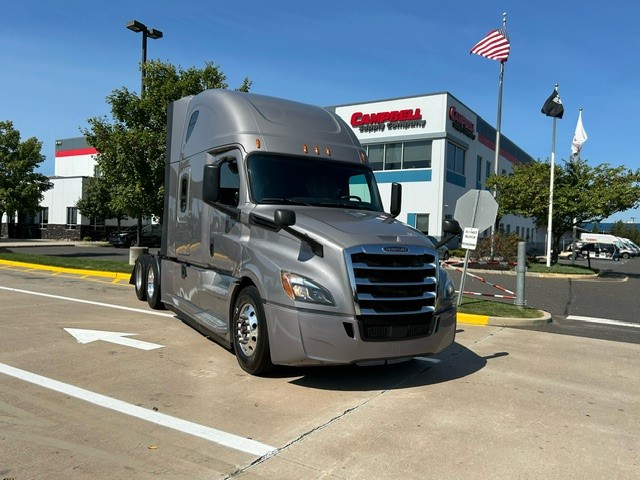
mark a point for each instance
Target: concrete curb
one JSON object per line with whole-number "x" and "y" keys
{"x": 75, "y": 271}
{"x": 469, "y": 318}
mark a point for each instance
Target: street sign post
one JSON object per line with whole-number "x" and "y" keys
{"x": 475, "y": 211}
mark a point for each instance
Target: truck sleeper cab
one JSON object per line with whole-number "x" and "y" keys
{"x": 276, "y": 243}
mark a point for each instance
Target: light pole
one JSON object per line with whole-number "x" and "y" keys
{"x": 136, "y": 26}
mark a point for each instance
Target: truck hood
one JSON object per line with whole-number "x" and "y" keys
{"x": 348, "y": 227}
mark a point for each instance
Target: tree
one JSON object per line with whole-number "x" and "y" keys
{"x": 132, "y": 145}
{"x": 21, "y": 188}
{"x": 96, "y": 201}
{"x": 581, "y": 194}
{"x": 625, "y": 230}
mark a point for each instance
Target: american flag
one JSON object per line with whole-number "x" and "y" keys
{"x": 495, "y": 45}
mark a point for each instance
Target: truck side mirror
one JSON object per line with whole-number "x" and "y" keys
{"x": 211, "y": 184}
{"x": 451, "y": 226}
{"x": 396, "y": 199}
{"x": 284, "y": 218}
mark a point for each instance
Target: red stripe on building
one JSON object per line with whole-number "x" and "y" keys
{"x": 77, "y": 151}
{"x": 492, "y": 145}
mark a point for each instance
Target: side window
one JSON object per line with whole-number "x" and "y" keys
{"x": 183, "y": 194}
{"x": 229, "y": 182}
{"x": 192, "y": 124}
{"x": 358, "y": 187}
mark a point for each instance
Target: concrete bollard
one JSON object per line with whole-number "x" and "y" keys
{"x": 521, "y": 269}
{"x": 135, "y": 252}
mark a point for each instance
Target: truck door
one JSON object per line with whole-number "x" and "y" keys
{"x": 224, "y": 243}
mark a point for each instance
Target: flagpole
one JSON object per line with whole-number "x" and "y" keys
{"x": 574, "y": 237}
{"x": 498, "y": 122}
{"x": 553, "y": 157}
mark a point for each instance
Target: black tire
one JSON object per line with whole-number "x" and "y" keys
{"x": 140, "y": 277}
{"x": 250, "y": 335}
{"x": 445, "y": 256}
{"x": 153, "y": 285}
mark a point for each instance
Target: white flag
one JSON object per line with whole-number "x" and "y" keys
{"x": 579, "y": 137}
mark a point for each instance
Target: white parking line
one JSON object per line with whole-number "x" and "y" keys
{"x": 211, "y": 434}
{"x": 79, "y": 300}
{"x": 604, "y": 321}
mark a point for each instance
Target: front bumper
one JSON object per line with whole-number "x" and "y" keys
{"x": 312, "y": 338}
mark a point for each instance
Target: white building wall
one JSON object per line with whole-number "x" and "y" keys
{"x": 65, "y": 193}
{"x": 75, "y": 166}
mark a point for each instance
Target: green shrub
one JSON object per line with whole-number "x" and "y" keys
{"x": 505, "y": 247}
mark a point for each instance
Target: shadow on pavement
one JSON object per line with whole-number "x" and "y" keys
{"x": 454, "y": 363}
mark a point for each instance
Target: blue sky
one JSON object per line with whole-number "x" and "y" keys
{"x": 60, "y": 60}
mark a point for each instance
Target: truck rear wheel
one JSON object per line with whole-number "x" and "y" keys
{"x": 153, "y": 285}
{"x": 140, "y": 277}
{"x": 250, "y": 336}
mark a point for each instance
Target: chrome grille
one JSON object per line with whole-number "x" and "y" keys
{"x": 394, "y": 291}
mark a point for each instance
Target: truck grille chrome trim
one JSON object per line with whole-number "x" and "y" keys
{"x": 394, "y": 292}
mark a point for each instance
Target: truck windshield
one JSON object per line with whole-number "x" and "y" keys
{"x": 279, "y": 179}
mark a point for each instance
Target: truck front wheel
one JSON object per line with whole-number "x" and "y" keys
{"x": 250, "y": 336}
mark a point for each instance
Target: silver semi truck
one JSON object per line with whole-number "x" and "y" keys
{"x": 276, "y": 244}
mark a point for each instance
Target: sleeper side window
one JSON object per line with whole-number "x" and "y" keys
{"x": 183, "y": 194}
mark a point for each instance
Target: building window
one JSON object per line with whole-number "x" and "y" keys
{"x": 44, "y": 217}
{"x": 376, "y": 156}
{"x": 394, "y": 156}
{"x": 455, "y": 158}
{"x": 417, "y": 154}
{"x": 422, "y": 222}
{"x": 72, "y": 218}
{"x": 98, "y": 223}
{"x": 479, "y": 170}
{"x": 488, "y": 172}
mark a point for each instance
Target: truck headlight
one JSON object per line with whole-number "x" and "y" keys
{"x": 447, "y": 290}
{"x": 302, "y": 289}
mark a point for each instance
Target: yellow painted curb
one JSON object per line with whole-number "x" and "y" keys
{"x": 75, "y": 271}
{"x": 473, "y": 319}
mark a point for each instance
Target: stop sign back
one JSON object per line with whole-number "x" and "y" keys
{"x": 476, "y": 209}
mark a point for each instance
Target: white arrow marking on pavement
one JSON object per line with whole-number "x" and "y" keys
{"x": 88, "y": 336}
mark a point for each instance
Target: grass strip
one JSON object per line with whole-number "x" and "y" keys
{"x": 78, "y": 263}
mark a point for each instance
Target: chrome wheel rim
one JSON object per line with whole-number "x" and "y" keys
{"x": 247, "y": 329}
{"x": 150, "y": 283}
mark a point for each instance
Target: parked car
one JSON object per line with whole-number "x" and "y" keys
{"x": 443, "y": 250}
{"x": 600, "y": 250}
{"x": 149, "y": 236}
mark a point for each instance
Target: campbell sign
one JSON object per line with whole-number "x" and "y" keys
{"x": 461, "y": 123}
{"x": 392, "y": 120}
